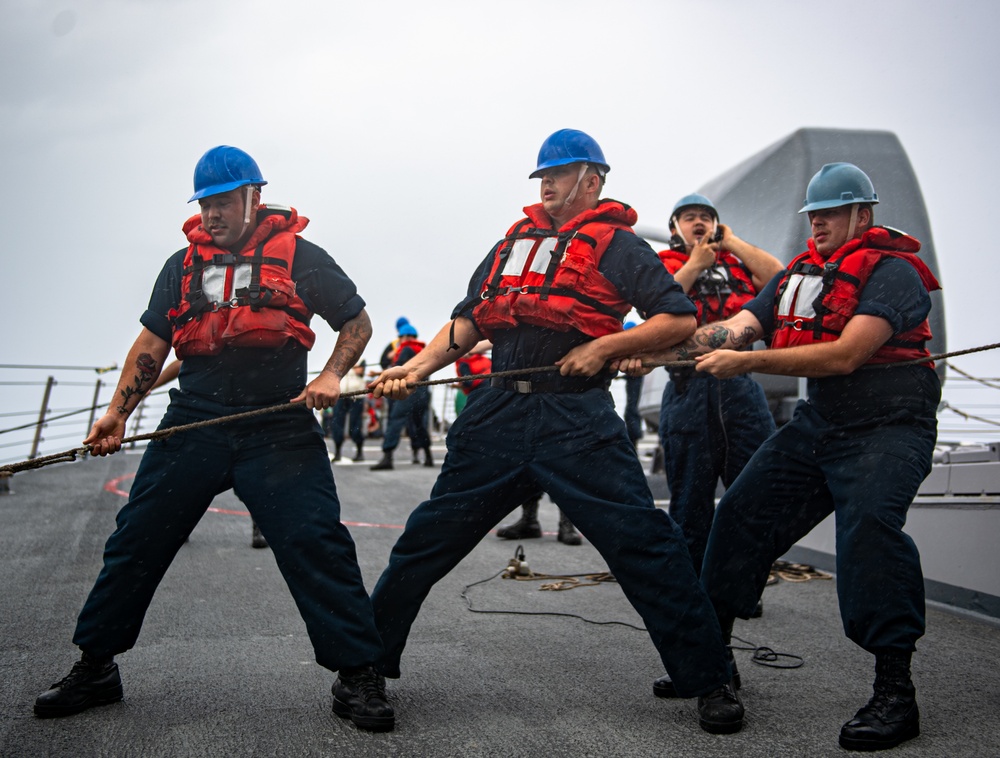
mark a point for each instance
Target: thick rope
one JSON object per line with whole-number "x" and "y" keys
{"x": 71, "y": 455}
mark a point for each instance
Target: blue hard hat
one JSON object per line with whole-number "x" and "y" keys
{"x": 407, "y": 330}
{"x": 693, "y": 199}
{"x": 569, "y": 146}
{"x": 224, "y": 168}
{"x": 401, "y": 321}
{"x": 838, "y": 184}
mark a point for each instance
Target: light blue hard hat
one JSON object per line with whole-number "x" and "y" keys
{"x": 838, "y": 184}
{"x": 407, "y": 330}
{"x": 222, "y": 169}
{"x": 693, "y": 199}
{"x": 401, "y": 321}
{"x": 569, "y": 146}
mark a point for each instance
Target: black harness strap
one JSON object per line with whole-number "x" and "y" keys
{"x": 197, "y": 302}
{"x": 256, "y": 298}
{"x": 452, "y": 345}
{"x": 506, "y": 245}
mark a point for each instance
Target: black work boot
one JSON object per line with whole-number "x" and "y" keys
{"x": 359, "y": 694}
{"x": 360, "y": 455}
{"x": 416, "y": 457}
{"x": 567, "y": 532}
{"x": 525, "y": 528}
{"x": 721, "y": 711}
{"x": 664, "y": 687}
{"x": 92, "y": 681}
{"x": 891, "y": 716}
{"x": 428, "y": 458}
{"x": 256, "y": 538}
{"x": 385, "y": 464}
{"x": 336, "y": 454}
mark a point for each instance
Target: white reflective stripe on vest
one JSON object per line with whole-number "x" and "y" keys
{"x": 213, "y": 282}
{"x": 798, "y": 297}
{"x": 520, "y": 252}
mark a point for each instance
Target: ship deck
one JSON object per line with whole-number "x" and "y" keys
{"x": 223, "y": 665}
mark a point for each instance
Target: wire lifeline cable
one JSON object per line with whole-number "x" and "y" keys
{"x": 71, "y": 455}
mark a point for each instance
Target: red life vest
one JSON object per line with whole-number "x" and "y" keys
{"x": 817, "y": 296}
{"x": 241, "y": 300}
{"x": 720, "y": 291}
{"x": 406, "y": 343}
{"x": 549, "y": 277}
{"x": 476, "y": 364}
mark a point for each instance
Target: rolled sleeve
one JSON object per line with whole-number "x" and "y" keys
{"x": 166, "y": 296}
{"x": 895, "y": 293}
{"x": 323, "y": 286}
{"x": 638, "y": 274}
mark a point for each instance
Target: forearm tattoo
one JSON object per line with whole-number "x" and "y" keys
{"x": 713, "y": 337}
{"x": 351, "y": 343}
{"x": 146, "y": 371}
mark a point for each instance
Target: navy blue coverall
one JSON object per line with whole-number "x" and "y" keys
{"x": 409, "y": 413}
{"x": 277, "y": 464}
{"x": 565, "y": 438}
{"x": 709, "y": 428}
{"x": 859, "y": 446}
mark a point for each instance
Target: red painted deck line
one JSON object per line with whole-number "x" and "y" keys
{"x": 113, "y": 486}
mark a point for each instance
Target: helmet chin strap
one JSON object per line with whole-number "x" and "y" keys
{"x": 854, "y": 221}
{"x": 247, "y": 210}
{"x": 572, "y": 195}
{"x": 678, "y": 232}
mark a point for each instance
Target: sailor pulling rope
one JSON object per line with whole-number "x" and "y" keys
{"x": 71, "y": 455}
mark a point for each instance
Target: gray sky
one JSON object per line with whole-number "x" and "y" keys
{"x": 406, "y": 131}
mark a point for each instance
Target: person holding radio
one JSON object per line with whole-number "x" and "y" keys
{"x": 710, "y": 427}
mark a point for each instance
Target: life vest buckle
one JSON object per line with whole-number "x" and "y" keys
{"x": 797, "y": 324}
{"x": 233, "y": 303}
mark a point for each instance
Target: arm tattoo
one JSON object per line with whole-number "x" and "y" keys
{"x": 146, "y": 370}
{"x": 713, "y": 337}
{"x": 351, "y": 343}
{"x": 748, "y": 337}
{"x": 686, "y": 350}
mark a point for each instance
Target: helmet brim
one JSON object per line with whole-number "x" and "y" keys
{"x": 218, "y": 189}
{"x": 820, "y": 205}
{"x": 564, "y": 162}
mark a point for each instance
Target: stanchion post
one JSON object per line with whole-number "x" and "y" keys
{"x": 41, "y": 417}
{"x": 93, "y": 405}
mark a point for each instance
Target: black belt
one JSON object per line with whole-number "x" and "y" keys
{"x": 682, "y": 374}
{"x": 566, "y": 384}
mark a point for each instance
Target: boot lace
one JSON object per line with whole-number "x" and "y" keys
{"x": 369, "y": 686}
{"x": 884, "y": 698}
{"x": 81, "y": 670}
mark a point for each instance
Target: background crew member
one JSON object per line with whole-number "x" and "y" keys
{"x": 236, "y": 304}
{"x": 858, "y": 446}
{"x": 410, "y": 413}
{"x": 527, "y": 527}
{"x": 555, "y": 290}
{"x": 710, "y": 427}
{"x": 351, "y": 410}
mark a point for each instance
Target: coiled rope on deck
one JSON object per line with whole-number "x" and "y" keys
{"x": 71, "y": 455}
